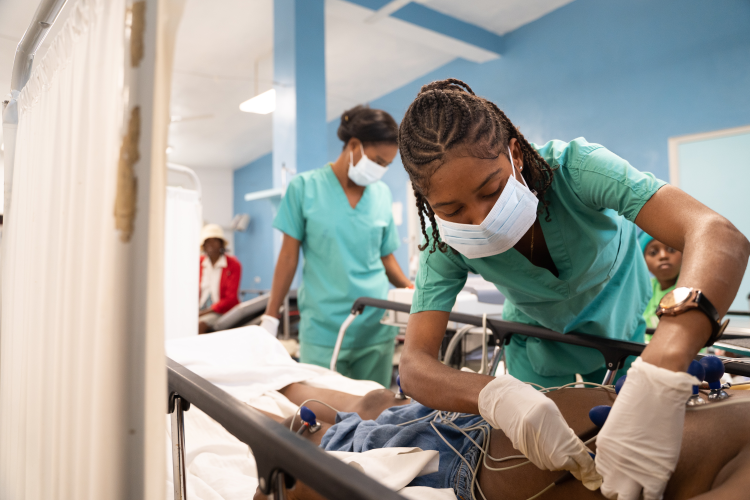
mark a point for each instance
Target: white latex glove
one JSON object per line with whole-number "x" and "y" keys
{"x": 270, "y": 324}
{"x": 638, "y": 447}
{"x": 535, "y": 426}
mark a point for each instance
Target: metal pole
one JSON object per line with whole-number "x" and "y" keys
{"x": 178, "y": 451}
{"x": 340, "y": 338}
{"x": 496, "y": 357}
{"x": 609, "y": 377}
{"x": 279, "y": 492}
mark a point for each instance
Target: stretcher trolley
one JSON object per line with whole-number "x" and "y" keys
{"x": 614, "y": 351}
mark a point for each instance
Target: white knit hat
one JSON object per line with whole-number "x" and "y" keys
{"x": 212, "y": 231}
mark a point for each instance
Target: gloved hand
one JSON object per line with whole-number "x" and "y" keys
{"x": 270, "y": 324}
{"x": 535, "y": 426}
{"x": 638, "y": 447}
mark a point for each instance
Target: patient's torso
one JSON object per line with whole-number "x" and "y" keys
{"x": 712, "y": 438}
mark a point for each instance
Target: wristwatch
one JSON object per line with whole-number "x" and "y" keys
{"x": 683, "y": 299}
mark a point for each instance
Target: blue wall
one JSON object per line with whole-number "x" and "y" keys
{"x": 625, "y": 74}
{"x": 254, "y": 247}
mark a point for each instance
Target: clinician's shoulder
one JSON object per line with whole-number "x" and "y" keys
{"x": 583, "y": 165}
{"x": 566, "y": 155}
{"x": 307, "y": 184}
{"x": 381, "y": 197}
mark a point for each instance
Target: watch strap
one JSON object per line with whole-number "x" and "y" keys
{"x": 717, "y": 328}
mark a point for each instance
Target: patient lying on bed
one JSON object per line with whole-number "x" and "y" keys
{"x": 714, "y": 461}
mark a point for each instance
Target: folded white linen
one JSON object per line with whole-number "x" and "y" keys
{"x": 393, "y": 467}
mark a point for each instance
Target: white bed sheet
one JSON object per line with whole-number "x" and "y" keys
{"x": 252, "y": 366}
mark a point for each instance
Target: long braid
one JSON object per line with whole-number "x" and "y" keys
{"x": 447, "y": 114}
{"x": 424, "y": 208}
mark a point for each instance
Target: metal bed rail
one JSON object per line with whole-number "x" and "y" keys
{"x": 614, "y": 351}
{"x": 282, "y": 457}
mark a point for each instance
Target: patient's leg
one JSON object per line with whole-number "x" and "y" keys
{"x": 368, "y": 407}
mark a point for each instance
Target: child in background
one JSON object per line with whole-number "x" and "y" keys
{"x": 664, "y": 263}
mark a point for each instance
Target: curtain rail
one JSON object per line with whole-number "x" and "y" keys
{"x": 276, "y": 449}
{"x": 44, "y": 17}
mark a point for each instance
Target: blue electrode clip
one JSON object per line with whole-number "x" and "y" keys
{"x": 714, "y": 371}
{"x": 400, "y": 394}
{"x": 309, "y": 420}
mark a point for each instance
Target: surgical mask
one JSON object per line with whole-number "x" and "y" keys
{"x": 512, "y": 215}
{"x": 366, "y": 171}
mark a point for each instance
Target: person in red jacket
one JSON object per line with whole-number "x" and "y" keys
{"x": 219, "y": 278}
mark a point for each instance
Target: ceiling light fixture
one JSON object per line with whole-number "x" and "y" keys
{"x": 261, "y": 104}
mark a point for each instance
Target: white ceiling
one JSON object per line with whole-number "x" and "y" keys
{"x": 498, "y": 16}
{"x": 224, "y": 56}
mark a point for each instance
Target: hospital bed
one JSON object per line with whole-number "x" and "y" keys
{"x": 282, "y": 458}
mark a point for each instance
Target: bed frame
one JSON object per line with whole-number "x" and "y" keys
{"x": 614, "y": 351}
{"x": 283, "y": 457}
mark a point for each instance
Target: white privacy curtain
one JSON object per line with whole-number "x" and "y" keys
{"x": 181, "y": 256}
{"x": 82, "y": 378}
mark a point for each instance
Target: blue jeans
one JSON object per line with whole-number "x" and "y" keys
{"x": 351, "y": 433}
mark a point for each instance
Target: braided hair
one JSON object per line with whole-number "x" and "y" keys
{"x": 447, "y": 114}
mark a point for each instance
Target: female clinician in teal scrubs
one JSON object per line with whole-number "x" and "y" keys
{"x": 341, "y": 217}
{"x": 553, "y": 226}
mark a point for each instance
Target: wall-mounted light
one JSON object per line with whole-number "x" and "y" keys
{"x": 261, "y": 104}
{"x": 169, "y": 149}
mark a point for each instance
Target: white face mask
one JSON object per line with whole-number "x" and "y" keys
{"x": 513, "y": 214}
{"x": 366, "y": 171}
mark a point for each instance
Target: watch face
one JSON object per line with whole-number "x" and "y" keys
{"x": 676, "y": 297}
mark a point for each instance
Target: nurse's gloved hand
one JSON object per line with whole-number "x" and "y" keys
{"x": 270, "y": 324}
{"x": 638, "y": 447}
{"x": 536, "y": 428}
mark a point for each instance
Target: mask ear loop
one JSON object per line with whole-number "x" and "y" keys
{"x": 510, "y": 156}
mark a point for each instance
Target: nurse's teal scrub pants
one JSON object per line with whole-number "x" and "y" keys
{"x": 602, "y": 285}
{"x": 374, "y": 362}
{"x": 343, "y": 247}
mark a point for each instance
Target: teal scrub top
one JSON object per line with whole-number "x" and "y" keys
{"x": 603, "y": 284}
{"x": 342, "y": 248}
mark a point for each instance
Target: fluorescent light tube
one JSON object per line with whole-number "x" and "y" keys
{"x": 261, "y": 104}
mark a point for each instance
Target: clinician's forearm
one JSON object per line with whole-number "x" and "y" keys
{"x": 395, "y": 275}
{"x": 438, "y": 386}
{"x": 283, "y": 275}
{"x": 715, "y": 255}
{"x": 714, "y": 261}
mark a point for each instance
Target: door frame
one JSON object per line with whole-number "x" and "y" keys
{"x": 675, "y": 142}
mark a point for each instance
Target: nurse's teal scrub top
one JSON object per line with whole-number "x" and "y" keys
{"x": 603, "y": 285}
{"x": 342, "y": 248}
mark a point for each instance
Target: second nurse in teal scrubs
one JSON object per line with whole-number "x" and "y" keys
{"x": 341, "y": 217}
{"x": 553, "y": 226}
